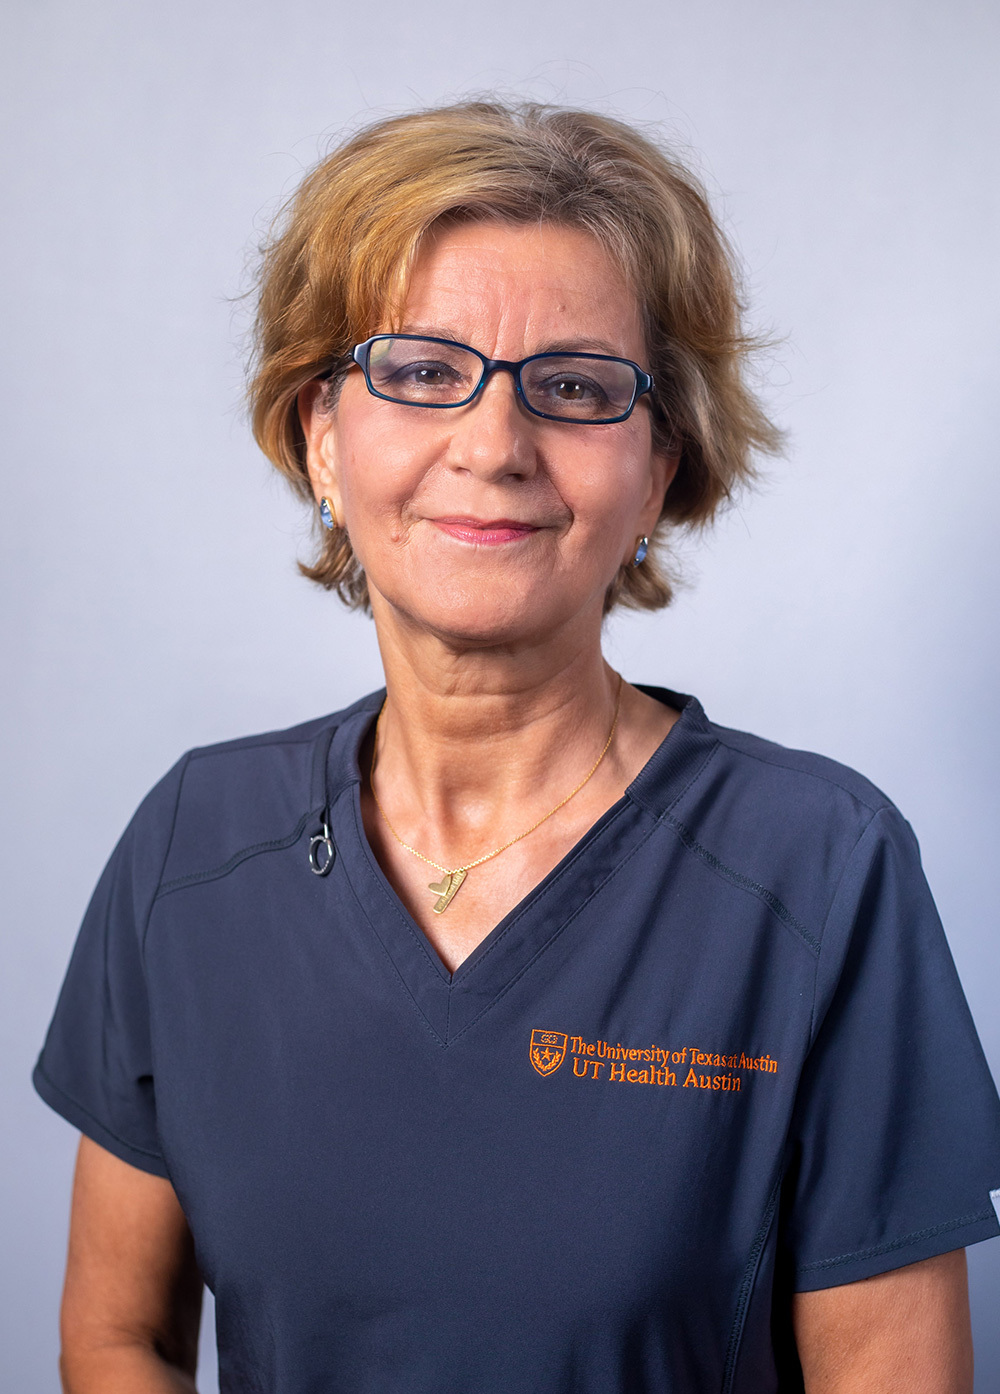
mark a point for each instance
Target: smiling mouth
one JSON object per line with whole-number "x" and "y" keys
{"x": 495, "y": 533}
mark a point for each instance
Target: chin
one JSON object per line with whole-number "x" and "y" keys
{"x": 485, "y": 614}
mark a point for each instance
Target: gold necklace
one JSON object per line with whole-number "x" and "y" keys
{"x": 446, "y": 889}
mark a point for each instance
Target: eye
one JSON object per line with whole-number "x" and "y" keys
{"x": 426, "y": 374}
{"x": 571, "y": 389}
{"x": 568, "y": 386}
{"x": 579, "y": 387}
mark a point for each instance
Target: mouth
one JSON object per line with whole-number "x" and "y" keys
{"x": 497, "y": 532}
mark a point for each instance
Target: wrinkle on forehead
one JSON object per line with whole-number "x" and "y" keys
{"x": 509, "y": 290}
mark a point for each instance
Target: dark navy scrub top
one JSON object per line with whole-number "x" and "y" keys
{"x": 720, "y": 1054}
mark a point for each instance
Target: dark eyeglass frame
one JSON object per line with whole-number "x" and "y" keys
{"x": 361, "y": 354}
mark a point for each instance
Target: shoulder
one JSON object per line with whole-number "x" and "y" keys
{"x": 222, "y": 800}
{"x": 789, "y": 825}
{"x": 806, "y": 804}
{"x": 745, "y": 772}
{"x": 808, "y": 781}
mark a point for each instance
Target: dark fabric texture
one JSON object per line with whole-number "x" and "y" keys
{"x": 720, "y": 1054}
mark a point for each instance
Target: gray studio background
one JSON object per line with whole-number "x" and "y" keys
{"x": 151, "y": 600}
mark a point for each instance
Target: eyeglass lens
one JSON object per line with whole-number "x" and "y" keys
{"x": 427, "y": 373}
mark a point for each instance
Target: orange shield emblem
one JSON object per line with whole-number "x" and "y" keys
{"x": 548, "y": 1051}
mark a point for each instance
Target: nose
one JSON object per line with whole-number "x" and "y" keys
{"x": 493, "y": 437}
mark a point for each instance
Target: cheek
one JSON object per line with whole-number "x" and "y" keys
{"x": 379, "y": 473}
{"x": 374, "y": 461}
{"x": 606, "y": 486}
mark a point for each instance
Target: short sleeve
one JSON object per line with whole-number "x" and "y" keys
{"x": 895, "y": 1142}
{"x": 96, "y": 1066}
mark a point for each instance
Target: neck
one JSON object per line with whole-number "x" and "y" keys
{"x": 473, "y": 741}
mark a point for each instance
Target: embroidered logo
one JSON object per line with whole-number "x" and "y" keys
{"x": 686, "y": 1068}
{"x": 548, "y": 1051}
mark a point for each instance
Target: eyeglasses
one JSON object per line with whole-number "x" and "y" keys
{"x": 591, "y": 389}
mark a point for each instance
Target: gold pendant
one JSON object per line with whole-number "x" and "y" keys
{"x": 446, "y": 889}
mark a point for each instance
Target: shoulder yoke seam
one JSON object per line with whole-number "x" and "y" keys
{"x": 745, "y": 883}
{"x": 216, "y": 873}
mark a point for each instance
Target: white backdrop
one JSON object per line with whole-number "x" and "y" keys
{"x": 151, "y": 600}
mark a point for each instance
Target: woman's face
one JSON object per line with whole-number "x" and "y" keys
{"x": 484, "y": 523}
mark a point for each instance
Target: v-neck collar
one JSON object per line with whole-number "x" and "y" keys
{"x": 451, "y": 1003}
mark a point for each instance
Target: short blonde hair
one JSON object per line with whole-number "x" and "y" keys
{"x": 335, "y": 271}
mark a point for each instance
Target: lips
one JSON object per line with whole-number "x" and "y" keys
{"x": 496, "y": 532}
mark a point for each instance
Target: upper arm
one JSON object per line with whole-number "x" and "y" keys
{"x": 903, "y": 1332}
{"x": 131, "y": 1274}
{"x": 894, "y": 1141}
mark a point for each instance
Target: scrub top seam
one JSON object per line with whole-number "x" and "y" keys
{"x": 743, "y": 882}
{"x": 651, "y": 807}
{"x": 545, "y": 886}
{"x": 395, "y": 905}
{"x": 501, "y": 930}
{"x": 519, "y": 973}
{"x": 556, "y": 933}
{"x": 691, "y": 844}
{"x": 204, "y": 752}
{"x": 331, "y": 789}
{"x": 807, "y": 774}
{"x": 421, "y": 1014}
{"x": 877, "y": 1249}
{"x": 166, "y": 854}
{"x": 746, "y": 1288}
{"x": 319, "y": 766}
{"x": 321, "y": 742}
{"x": 848, "y": 860}
{"x": 224, "y": 869}
{"x": 88, "y": 1113}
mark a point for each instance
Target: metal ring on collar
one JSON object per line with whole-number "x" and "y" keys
{"x": 321, "y": 851}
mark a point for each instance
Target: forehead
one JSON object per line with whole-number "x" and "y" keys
{"x": 515, "y": 289}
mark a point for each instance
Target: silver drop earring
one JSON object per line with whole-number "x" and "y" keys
{"x": 641, "y": 548}
{"x": 327, "y": 513}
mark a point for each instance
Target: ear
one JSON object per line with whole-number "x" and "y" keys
{"x": 318, "y": 423}
{"x": 663, "y": 466}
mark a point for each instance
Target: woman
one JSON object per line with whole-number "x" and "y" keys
{"x": 516, "y": 1028}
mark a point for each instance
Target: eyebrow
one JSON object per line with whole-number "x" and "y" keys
{"x": 581, "y": 345}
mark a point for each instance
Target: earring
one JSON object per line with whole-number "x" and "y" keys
{"x": 328, "y": 514}
{"x": 641, "y": 548}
